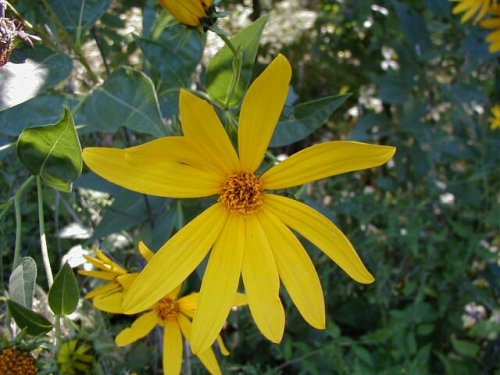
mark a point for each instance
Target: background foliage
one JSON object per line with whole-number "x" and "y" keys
{"x": 426, "y": 225}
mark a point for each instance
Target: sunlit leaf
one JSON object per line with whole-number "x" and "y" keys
{"x": 34, "y": 323}
{"x": 32, "y": 72}
{"x": 127, "y": 98}
{"x": 223, "y": 75}
{"x": 78, "y": 14}
{"x": 305, "y": 119}
{"x": 52, "y": 152}
{"x": 64, "y": 293}
{"x": 22, "y": 282}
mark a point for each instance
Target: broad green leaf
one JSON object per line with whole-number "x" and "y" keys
{"x": 79, "y": 14}
{"x": 64, "y": 293}
{"x": 392, "y": 89}
{"x": 34, "y": 71}
{"x": 415, "y": 28}
{"x": 52, "y": 152}
{"x": 34, "y": 323}
{"x": 22, "y": 282}
{"x": 371, "y": 127}
{"x": 38, "y": 111}
{"x": 305, "y": 119}
{"x": 127, "y": 98}
{"x": 464, "y": 347}
{"x": 227, "y": 83}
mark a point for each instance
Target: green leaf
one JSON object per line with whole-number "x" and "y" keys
{"x": 414, "y": 27}
{"x": 79, "y": 14}
{"x": 222, "y": 75}
{"x": 38, "y": 70}
{"x": 22, "y": 282}
{"x": 465, "y": 348}
{"x": 305, "y": 119}
{"x": 64, "y": 293}
{"x": 52, "y": 152}
{"x": 127, "y": 98}
{"x": 38, "y": 111}
{"x": 34, "y": 323}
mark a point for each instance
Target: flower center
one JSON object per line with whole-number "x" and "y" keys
{"x": 166, "y": 309}
{"x": 242, "y": 193}
{"x": 15, "y": 362}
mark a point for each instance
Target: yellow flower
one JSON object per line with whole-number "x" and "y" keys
{"x": 188, "y": 12}
{"x": 495, "y": 119}
{"x": 173, "y": 314}
{"x": 74, "y": 357}
{"x": 471, "y": 8}
{"x": 249, "y": 228}
{"x": 493, "y": 23}
{"x": 118, "y": 277}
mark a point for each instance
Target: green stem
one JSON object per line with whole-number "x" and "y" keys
{"x": 19, "y": 222}
{"x": 43, "y": 240}
{"x": 67, "y": 38}
{"x": 57, "y": 326}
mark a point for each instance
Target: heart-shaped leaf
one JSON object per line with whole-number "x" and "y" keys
{"x": 64, "y": 294}
{"x": 52, "y": 152}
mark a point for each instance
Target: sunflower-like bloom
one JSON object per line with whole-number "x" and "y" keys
{"x": 174, "y": 315}
{"x": 16, "y": 362}
{"x": 188, "y": 12}
{"x": 495, "y": 118}
{"x": 108, "y": 270}
{"x": 469, "y": 8}
{"x": 493, "y": 23}
{"x": 248, "y": 229}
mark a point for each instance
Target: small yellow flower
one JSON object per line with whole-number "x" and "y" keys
{"x": 188, "y": 12}
{"x": 249, "y": 229}
{"x": 479, "y": 8}
{"x": 74, "y": 357}
{"x": 16, "y": 362}
{"x": 493, "y": 23}
{"x": 495, "y": 119}
{"x": 173, "y": 314}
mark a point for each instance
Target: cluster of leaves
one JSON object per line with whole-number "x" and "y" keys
{"x": 426, "y": 225}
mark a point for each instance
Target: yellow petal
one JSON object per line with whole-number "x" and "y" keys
{"x": 172, "y": 348}
{"x": 140, "y": 328}
{"x": 126, "y": 280}
{"x": 261, "y": 110}
{"x": 220, "y": 283}
{"x": 188, "y": 304}
{"x": 173, "y": 263}
{"x": 111, "y": 303}
{"x": 110, "y": 263}
{"x": 105, "y": 289}
{"x": 325, "y": 160}
{"x": 321, "y": 232}
{"x": 201, "y": 125}
{"x": 222, "y": 346}
{"x": 145, "y": 251}
{"x": 296, "y": 270}
{"x": 262, "y": 283}
{"x": 153, "y": 169}
{"x": 188, "y": 12}
{"x": 240, "y": 300}
{"x": 207, "y": 357}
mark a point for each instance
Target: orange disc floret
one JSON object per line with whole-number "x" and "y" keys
{"x": 16, "y": 362}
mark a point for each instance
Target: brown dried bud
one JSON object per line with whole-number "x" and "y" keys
{"x": 7, "y": 34}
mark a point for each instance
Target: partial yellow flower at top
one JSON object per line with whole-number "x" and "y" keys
{"x": 188, "y": 12}
{"x": 249, "y": 229}
{"x": 493, "y": 23}
{"x": 479, "y": 8}
{"x": 495, "y": 119}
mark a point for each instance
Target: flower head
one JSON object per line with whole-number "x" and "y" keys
{"x": 188, "y": 12}
{"x": 495, "y": 119}
{"x": 249, "y": 230}
{"x": 16, "y": 362}
{"x": 469, "y": 8}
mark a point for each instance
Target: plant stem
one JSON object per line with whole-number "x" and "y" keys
{"x": 43, "y": 240}
{"x": 57, "y": 326}
{"x": 19, "y": 222}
